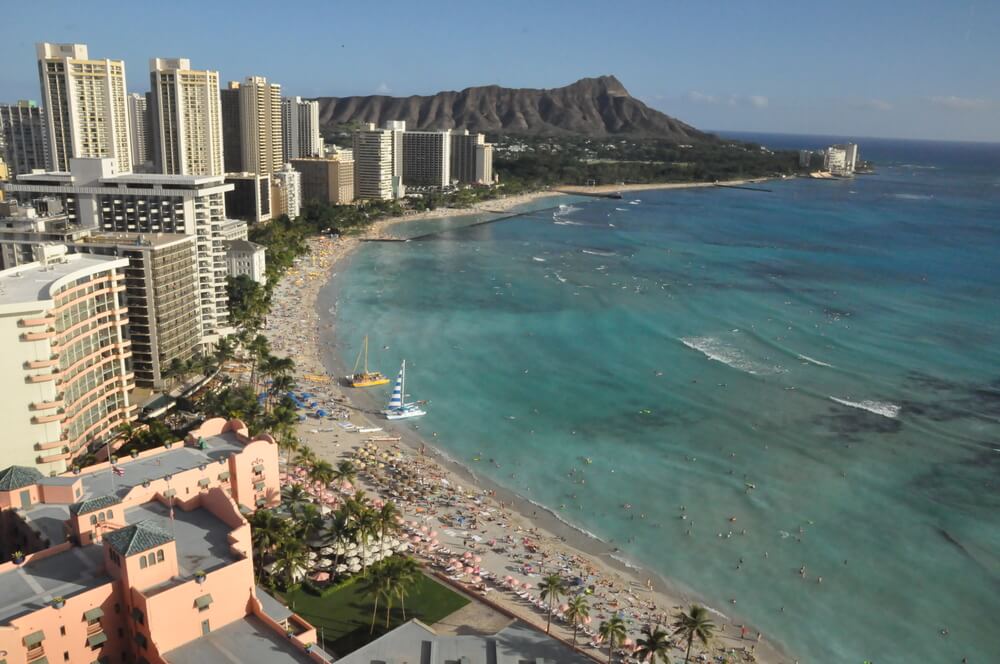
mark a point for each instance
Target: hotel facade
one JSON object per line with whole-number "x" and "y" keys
{"x": 66, "y": 376}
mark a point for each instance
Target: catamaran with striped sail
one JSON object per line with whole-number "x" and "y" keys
{"x": 397, "y": 410}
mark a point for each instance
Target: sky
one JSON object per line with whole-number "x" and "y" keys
{"x": 900, "y": 69}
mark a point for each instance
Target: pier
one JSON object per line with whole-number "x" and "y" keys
{"x": 740, "y": 186}
{"x": 617, "y": 195}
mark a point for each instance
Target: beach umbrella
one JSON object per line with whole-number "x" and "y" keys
{"x": 477, "y": 579}
{"x": 341, "y": 568}
{"x": 469, "y": 570}
{"x": 467, "y": 555}
{"x": 526, "y": 585}
{"x": 321, "y": 576}
{"x": 514, "y": 583}
{"x": 478, "y": 559}
{"x": 433, "y": 534}
{"x": 424, "y": 529}
{"x": 588, "y": 620}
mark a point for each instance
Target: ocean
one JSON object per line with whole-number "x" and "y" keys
{"x": 744, "y": 391}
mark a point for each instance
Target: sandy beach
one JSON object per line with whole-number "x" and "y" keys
{"x": 512, "y": 536}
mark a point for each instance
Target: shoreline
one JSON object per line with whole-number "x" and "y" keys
{"x": 297, "y": 303}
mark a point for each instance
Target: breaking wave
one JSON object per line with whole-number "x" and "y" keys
{"x": 882, "y": 408}
{"x": 719, "y": 351}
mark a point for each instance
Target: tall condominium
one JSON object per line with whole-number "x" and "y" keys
{"x": 141, "y": 132}
{"x": 286, "y": 192}
{"x": 25, "y": 137}
{"x": 64, "y": 374}
{"x": 249, "y": 197}
{"x": 85, "y": 106}
{"x": 373, "y": 179}
{"x": 471, "y": 158}
{"x": 327, "y": 179}
{"x": 186, "y": 117}
{"x": 427, "y": 158}
{"x": 232, "y": 128}
{"x": 397, "y": 127}
{"x": 260, "y": 125}
{"x": 161, "y": 290}
{"x": 95, "y": 196}
{"x": 300, "y": 128}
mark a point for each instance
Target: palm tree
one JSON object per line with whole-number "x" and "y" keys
{"x": 693, "y": 624}
{"x": 346, "y": 472}
{"x": 654, "y": 644}
{"x": 386, "y": 518}
{"x": 553, "y": 587}
{"x": 365, "y": 523}
{"x": 259, "y": 348}
{"x": 294, "y": 496}
{"x": 407, "y": 574}
{"x": 613, "y": 631}
{"x": 577, "y": 612}
{"x": 290, "y": 445}
{"x": 377, "y": 585}
{"x": 267, "y": 532}
{"x": 291, "y": 559}
{"x": 320, "y": 471}
{"x": 224, "y": 350}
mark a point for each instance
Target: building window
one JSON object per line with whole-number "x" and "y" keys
{"x": 142, "y": 562}
{"x": 62, "y": 631}
{"x": 152, "y": 559}
{"x": 159, "y": 556}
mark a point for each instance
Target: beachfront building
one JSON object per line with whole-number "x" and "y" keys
{"x": 427, "y": 159}
{"x": 24, "y": 228}
{"x": 96, "y": 196}
{"x": 161, "y": 291}
{"x": 373, "y": 171}
{"x": 300, "y": 128}
{"x": 153, "y": 564}
{"x": 260, "y": 125}
{"x": 141, "y": 132}
{"x": 186, "y": 118}
{"x": 471, "y": 158}
{"x": 65, "y": 376}
{"x": 398, "y": 128}
{"x": 286, "y": 192}
{"x": 327, "y": 179}
{"x": 86, "y": 111}
{"x": 24, "y": 137}
{"x": 232, "y": 131}
{"x": 249, "y": 198}
{"x": 416, "y": 642}
{"x": 245, "y": 258}
{"x": 835, "y": 161}
{"x": 850, "y": 156}
{"x": 234, "y": 229}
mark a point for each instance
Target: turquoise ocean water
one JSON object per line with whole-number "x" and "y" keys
{"x": 819, "y": 363}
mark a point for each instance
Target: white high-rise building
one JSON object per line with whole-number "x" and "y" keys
{"x": 96, "y": 196}
{"x": 300, "y": 128}
{"x": 85, "y": 106}
{"x": 286, "y": 185}
{"x": 24, "y": 138}
{"x": 398, "y": 128}
{"x": 138, "y": 121}
{"x": 260, "y": 125}
{"x": 373, "y": 179}
{"x": 186, "y": 117}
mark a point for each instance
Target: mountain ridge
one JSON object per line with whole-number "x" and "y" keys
{"x": 596, "y": 106}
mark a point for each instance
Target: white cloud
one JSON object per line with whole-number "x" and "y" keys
{"x": 960, "y": 103}
{"x": 702, "y": 98}
{"x": 757, "y": 101}
{"x": 383, "y": 88}
{"x": 872, "y": 104}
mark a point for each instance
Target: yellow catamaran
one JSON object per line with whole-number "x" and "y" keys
{"x": 365, "y": 378}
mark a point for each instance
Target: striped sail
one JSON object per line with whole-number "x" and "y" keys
{"x": 396, "y": 402}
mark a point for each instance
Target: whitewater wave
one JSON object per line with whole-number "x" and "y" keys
{"x": 719, "y": 351}
{"x": 582, "y": 531}
{"x": 561, "y": 278}
{"x": 594, "y": 252}
{"x": 812, "y": 360}
{"x": 883, "y": 408}
{"x": 566, "y": 222}
{"x": 622, "y": 209}
{"x": 624, "y": 561}
{"x": 536, "y": 258}
{"x": 914, "y": 197}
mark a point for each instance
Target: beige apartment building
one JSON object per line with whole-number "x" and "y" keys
{"x": 373, "y": 158}
{"x": 85, "y": 106}
{"x": 260, "y": 125}
{"x": 161, "y": 288}
{"x": 186, "y": 117}
{"x": 142, "y": 133}
{"x": 24, "y": 137}
{"x": 95, "y": 196}
{"x": 471, "y": 158}
{"x": 64, "y": 366}
{"x": 327, "y": 179}
{"x": 300, "y": 128}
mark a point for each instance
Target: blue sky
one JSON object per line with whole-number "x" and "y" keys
{"x": 895, "y": 69}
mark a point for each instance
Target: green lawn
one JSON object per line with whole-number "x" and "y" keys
{"x": 345, "y": 616}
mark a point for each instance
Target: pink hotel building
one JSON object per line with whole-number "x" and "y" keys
{"x": 152, "y": 563}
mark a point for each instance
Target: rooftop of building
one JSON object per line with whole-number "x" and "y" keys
{"x": 17, "y": 477}
{"x": 247, "y": 641}
{"x": 32, "y": 282}
{"x": 155, "y": 240}
{"x": 32, "y": 586}
{"x": 138, "y": 536}
{"x": 243, "y": 245}
{"x": 202, "y": 538}
{"x": 416, "y": 642}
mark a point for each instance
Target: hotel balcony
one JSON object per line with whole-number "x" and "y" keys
{"x": 42, "y": 364}
{"x": 37, "y": 322}
{"x": 45, "y": 419}
{"x": 43, "y": 378}
{"x": 46, "y": 405}
{"x": 38, "y": 336}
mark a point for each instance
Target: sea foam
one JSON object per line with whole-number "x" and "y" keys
{"x": 719, "y": 351}
{"x": 882, "y": 408}
{"x": 812, "y": 360}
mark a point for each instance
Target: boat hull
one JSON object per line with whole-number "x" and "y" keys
{"x": 402, "y": 413}
{"x": 367, "y": 382}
